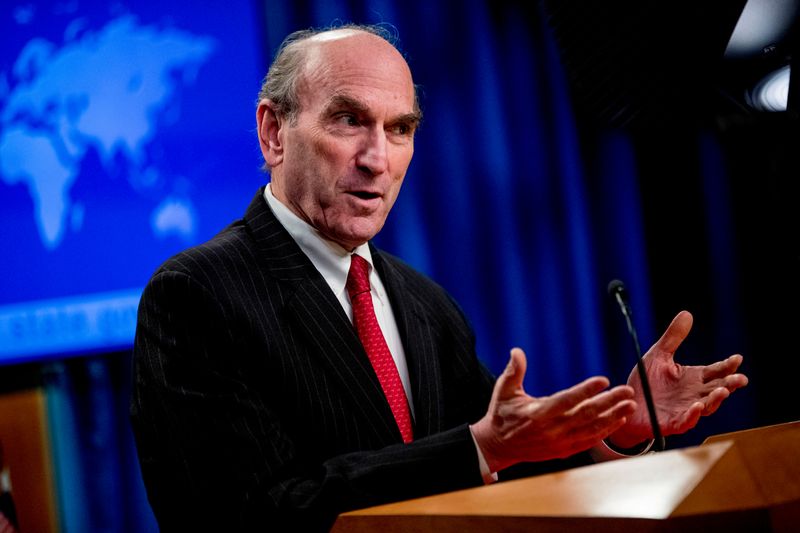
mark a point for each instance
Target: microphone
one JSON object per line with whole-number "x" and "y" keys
{"x": 617, "y": 289}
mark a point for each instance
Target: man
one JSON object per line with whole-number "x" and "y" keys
{"x": 287, "y": 370}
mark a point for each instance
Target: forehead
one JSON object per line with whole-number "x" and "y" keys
{"x": 357, "y": 64}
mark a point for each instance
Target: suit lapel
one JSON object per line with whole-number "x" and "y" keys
{"x": 317, "y": 314}
{"x": 420, "y": 343}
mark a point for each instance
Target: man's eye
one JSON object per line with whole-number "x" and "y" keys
{"x": 347, "y": 120}
{"x": 401, "y": 129}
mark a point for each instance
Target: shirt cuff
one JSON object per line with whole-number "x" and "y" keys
{"x": 488, "y": 476}
{"x": 603, "y": 452}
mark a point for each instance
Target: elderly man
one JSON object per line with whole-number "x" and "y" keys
{"x": 287, "y": 370}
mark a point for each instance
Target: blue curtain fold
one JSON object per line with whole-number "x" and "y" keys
{"x": 98, "y": 482}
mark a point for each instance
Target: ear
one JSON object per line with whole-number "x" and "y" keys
{"x": 269, "y": 128}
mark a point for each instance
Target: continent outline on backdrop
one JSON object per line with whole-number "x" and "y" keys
{"x": 102, "y": 89}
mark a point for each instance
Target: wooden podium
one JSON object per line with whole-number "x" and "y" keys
{"x": 744, "y": 481}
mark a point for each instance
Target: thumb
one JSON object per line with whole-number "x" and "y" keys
{"x": 510, "y": 381}
{"x": 675, "y": 334}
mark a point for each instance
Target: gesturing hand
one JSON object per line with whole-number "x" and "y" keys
{"x": 682, "y": 394}
{"x": 519, "y": 427}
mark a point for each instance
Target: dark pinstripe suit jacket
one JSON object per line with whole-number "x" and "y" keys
{"x": 255, "y": 406}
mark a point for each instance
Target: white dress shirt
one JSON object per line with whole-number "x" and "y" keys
{"x": 333, "y": 262}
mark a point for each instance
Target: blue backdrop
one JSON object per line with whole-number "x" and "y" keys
{"x": 504, "y": 205}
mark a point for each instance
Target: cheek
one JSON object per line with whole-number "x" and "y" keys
{"x": 314, "y": 162}
{"x": 331, "y": 159}
{"x": 400, "y": 160}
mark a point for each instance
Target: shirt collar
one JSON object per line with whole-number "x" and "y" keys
{"x": 329, "y": 258}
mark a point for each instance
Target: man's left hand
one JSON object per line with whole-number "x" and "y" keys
{"x": 682, "y": 394}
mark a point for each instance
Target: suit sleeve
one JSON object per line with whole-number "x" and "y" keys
{"x": 213, "y": 451}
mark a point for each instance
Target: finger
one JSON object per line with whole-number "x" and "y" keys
{"x": 595, "y": 406}
{"x": 622, "y": 408}
{"x": 714, "y": 400}
{"x": 509, "y": 383}
{"x": 732, "y": 382}
{"x": 736, "y": 381}
{"x": 581, "y": 442}
{"x": 602, "y": 426}
{"x": 688, "y": 420}
{"x": 616, "y": 417}
{"x": 675, "y": 334}
{"x": 564, "y": 400}
{"x": 720, "y": 369}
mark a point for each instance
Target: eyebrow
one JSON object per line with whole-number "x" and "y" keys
{"x": 348, "y": 102}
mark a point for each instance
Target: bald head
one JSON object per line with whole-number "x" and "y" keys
{"x": 303, "y": 51}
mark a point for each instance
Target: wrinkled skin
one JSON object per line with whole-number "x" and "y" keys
{"x": 519, "y": 427}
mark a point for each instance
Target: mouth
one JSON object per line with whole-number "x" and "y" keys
{"x": 365, "y": 195}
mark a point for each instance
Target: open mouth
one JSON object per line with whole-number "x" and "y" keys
{"x": 364, "y": 195}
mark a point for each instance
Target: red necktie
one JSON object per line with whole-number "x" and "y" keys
{"x": 375, "y": 345}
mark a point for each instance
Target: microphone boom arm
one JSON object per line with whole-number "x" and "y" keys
{"x": 617, "y": 288}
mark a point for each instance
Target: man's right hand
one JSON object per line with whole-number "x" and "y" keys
{"x": 519, "y": 427}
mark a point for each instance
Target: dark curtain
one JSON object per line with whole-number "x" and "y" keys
{"x": 515, "y": 208}
{"x": 496, "y": 205}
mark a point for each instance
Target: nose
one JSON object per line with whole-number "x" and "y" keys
{"x": 373, "y": 158}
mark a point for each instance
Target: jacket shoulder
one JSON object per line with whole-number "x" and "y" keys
{"x": 231, "y": 247}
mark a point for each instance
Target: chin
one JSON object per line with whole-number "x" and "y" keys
{"x": 357, "y": 238}
{"x": 351, "y": 230}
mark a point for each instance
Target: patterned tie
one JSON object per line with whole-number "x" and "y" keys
{"x": 375, "y": 345}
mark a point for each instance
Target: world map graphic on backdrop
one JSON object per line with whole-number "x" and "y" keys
{"x": 110, "y": 159}
{"x": 54, "y": 114}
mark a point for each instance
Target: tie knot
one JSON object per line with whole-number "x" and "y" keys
{"x": 358, "y": 276}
